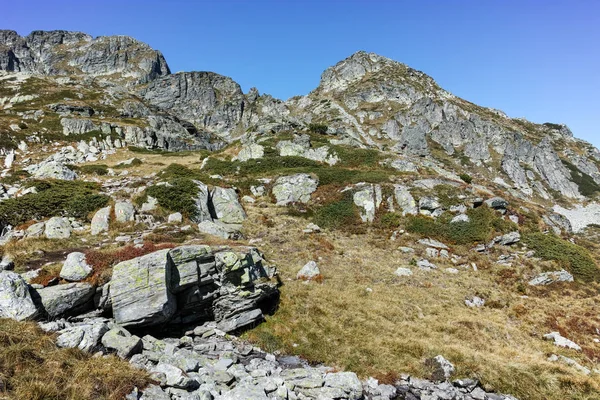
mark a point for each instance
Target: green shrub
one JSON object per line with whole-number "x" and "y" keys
{"x": 466, "y": 178}
{"x": 390, "y": 220}
{"x": 483, "y": 225}
{"x": 338, "y": 214}
{"x": 569, "y": 256}
{"x": 317, "y": 128}
{"x": 64, "y": 198}
{"x": 177, "y": 197}
{"x": 586, "y": 184}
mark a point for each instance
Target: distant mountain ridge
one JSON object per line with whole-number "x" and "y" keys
{"x": 365, "y": 100}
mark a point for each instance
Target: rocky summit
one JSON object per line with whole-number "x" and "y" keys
{"x": 168, "y": 236}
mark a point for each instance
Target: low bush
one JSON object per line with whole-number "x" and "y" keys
{"x": 569, "y": 256}
{"x": 53, "y": 198}
{"x": 483, "y": 225}
{"x": 178, "y": 196}
{"x": 466, "y": 178}
{"x": 93, "y": 169}
{"x": 586, "y": 184}
{"x": 338, "y": 214}
{"x": 317, "y": 128}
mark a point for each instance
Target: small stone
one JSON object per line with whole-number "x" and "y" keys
{"x": 75, "y": 267}
{"x": 309, "y": 271}
{"x": 442, "y": 368}
{"x": 403, "y": 272}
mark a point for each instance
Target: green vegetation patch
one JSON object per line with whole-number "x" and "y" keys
{"x": 338, "y": 214}
{"x": 569, "y": 256}
{"x": 484, "y": 224}
{"x": 54, "y": 198}
{"x": 177, "y": 196}
{"x": 586, "y": 184}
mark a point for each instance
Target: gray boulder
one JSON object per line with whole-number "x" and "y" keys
{"x": 124, "y": 212}
{"x": 36, "y": 230}
{"x": 348, "y": 382}
{"x": 251, "y": 151}
{"x": 100, "y": 220}
{"x": 368, "y": 198}
{"x": 139, "y": 290}
{"x": 124, "y": 343}
{"x": 405, "y": 200}
{"x": 54, "y": 170}
{"x": 294, "y": 188}
{"x": 226, "y": 205}
{"x": 15, "y": 300}
{"x": 58, "y": 228}
{"x": 84, "y": 336}
{"x": 497, "y": 203}
{"x": 77, "y": 126}
{"x": 217, "y": 228}
{"x": 68, "y": 299}
{"x": 75, "y": 267}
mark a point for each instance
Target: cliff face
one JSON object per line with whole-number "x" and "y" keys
{"x": 68, "y": 53}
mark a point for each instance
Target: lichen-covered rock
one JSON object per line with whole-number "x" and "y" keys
{"x": 139, "y": 290}
{"x": 294, "y": 188}
{"x": 84, "y": 336}
{"x": 546, "y": 278}
{"x": 77, "y": 126}
{"x": 250, "y": 151}
{"x": 309, "y": 271}
{"x": 226, "y": 205}
{"x": 15, "y": 299}
{"x": 75, "y": 267}
{"x": 54, "y": 170}
{"x": 122, "y": 342}
{"x": 405, "y": 200}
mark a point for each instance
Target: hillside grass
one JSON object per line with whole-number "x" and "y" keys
{"x": 400, "y": 322}
{"x": 32, "y": 367}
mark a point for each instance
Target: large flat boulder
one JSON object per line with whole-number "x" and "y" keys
{"x": 66, "y": 299}
{"x": 140, "y": 290}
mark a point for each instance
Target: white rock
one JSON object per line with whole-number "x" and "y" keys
{"x": 562, "y": 341}
{"x": 403, "y": 272}
{"x": 75, "y": 267}
{"x": 309, "y": 271}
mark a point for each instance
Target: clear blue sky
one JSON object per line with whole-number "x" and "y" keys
{"x": 534, "y": 59}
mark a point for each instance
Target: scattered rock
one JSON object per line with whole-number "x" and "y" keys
{"x": 58, "y": 228}
{"x": 562, "y": 341}
{"x": 75, "y": 267}
{"x": 475, "y": 302}
{"x": 294, "y": 189}
{"x": 442, "y": 368}
{"x": 101, "y": 220}
{"x": 403, "y": 272}
{"x": 546, "y": 278}
{"x": 175, "y": 218}
{"x": 309, "y": 271}
{"x": 124, "y": 212}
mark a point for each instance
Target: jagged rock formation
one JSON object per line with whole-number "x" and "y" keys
{"x": 68, "y": 53}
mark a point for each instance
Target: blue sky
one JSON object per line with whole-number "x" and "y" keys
{"x": 534, "y": 59}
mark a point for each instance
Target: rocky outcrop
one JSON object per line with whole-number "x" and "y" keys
{"x": 185, "y": 284}
{"x": 294, "y": 188}
{"x": 67, "y": 53}
{"x": 210, "y": 101}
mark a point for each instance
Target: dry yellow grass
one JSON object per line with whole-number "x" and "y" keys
{"x": 33, "y": 368}
{"x": 399, "y": 322}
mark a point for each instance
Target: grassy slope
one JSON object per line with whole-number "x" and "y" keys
{"x": 32, "y": 368}
{"x": 405, "y": 320}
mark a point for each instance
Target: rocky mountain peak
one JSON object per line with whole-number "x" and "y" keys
{"x": 68, "y": 53}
